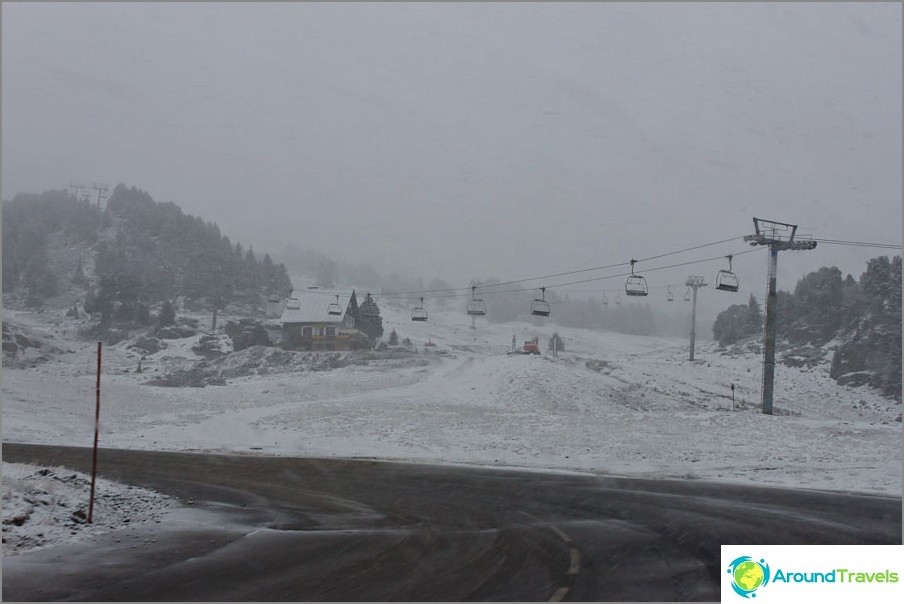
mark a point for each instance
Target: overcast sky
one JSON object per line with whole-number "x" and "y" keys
{"x": 468, "y": 140}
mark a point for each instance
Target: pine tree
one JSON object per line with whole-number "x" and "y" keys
{"x": 754, "y": 317}
{"x": 90, "y": 304}
{"x": 369, "y": 320}
{"x": 818, "y": 296}
{"x": 167, "y": 315}
{"x": 393, "y": 337}
{"x": 731, "y": 324}
{"x": 78, "y": 278}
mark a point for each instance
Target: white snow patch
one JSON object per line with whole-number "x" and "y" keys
{"x": 49, "y": 506}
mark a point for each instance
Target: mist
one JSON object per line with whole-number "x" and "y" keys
{"x": 477, "y": 140}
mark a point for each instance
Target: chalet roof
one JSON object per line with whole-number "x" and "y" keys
{"x": 312, "y": 307}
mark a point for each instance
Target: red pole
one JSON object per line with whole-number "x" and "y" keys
{"x": 96, "y": 428}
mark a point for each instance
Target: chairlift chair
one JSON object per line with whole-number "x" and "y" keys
{"x": 636, "y": 285}
{"x": 419, "y": 313}
{"x": 687, "y": 294}
{"x": 476, "y": 306}
{"x": 668, "y": 295}
{"x": 540, "y": 307}
{"x": 605, "y": 299}
{"x": 727, "y": 280}
{"x": 334, "y": 308}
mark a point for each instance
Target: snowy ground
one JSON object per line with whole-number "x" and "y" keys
{"x": 609, "y": 404}
{"x": 48, "y": 506}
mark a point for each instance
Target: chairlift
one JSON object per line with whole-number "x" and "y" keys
{"x": 668, "y": 294}
{"x": 605, "y": 299}
{"x": 618, "y": 298}
{"x": 687, "y": 294}
{"x": 293, "y": 304}
{"x": 540, "y": 307}
{"x": 636, "y": 285}
{"x": 419, "y": 313}
{"x": 476, "y": 306}
{"x": 727, "y": 280}
{"x": 334, "y": 308}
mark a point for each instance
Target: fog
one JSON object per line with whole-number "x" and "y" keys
{"x": 476, "y": 140}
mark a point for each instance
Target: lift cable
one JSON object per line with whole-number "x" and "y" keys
{"x": 594, "y": 279}
{"x": 890, "y": 246}
{"x": 550, "y": 276}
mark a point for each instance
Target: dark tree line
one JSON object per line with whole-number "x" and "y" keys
{"x": 863, "y": 316}
{"x": 28, "y": 222}
{"x": 738, "y": 321}
{"x": 823, "y": 305}
{"x": 144, "y": 252}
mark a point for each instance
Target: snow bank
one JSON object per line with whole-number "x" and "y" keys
{"x": 49, "y": 506}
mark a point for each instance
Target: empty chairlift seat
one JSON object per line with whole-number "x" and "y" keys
{"x": 636, "y": 285}
{"x": 540, "y": 307}
{"x": 476, "y": 306}
{"x": 419, "y": 313}
{"x": 727, "y": 280}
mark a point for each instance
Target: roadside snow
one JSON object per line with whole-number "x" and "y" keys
{"x": 49, "y": 506}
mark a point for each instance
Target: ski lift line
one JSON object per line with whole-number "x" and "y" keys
{"x": 594, "y": 279}
{"x": 660, "y": 268}
{"x": 747, "y": 251}
{"x": 696, "y": 247}
{"x": 331, "y": 293}
{"x": 563, "y": 274}
{"x": 891, "y": 246}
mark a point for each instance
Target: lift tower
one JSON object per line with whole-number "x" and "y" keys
{"x": 695, "y": 282}
{"x": 101, "y": 189}
{"x": 779, "y": 236}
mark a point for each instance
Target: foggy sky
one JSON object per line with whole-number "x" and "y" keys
{"x": 464, "y": 140}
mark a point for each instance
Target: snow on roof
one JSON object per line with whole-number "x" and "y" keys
{"x": 313, "y": 307}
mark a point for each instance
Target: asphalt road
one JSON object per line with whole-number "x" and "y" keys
{"x": 290, "y": 529}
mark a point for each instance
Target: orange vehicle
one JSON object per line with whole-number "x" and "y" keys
{"x": 532, "y": 346}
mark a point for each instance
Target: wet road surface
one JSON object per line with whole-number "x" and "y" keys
{"x": 293, "y": 529}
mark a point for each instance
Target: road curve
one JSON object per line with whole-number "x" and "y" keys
{"x": 293, "y": 529}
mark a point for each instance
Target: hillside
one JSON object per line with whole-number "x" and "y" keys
{"x": 117, "y": 262}
{"x": 608, "y": 403}
{"x": 857, "y": 323}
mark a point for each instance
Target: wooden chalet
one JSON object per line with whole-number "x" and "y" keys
{"x": 317, "y": 320}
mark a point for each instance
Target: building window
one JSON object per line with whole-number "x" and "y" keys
{"x": 306, "y": 332}
{"x": 330, "y": 331}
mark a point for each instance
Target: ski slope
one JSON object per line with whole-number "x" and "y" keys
{"x": 608, "y": 404}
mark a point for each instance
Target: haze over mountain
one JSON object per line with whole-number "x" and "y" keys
{"x": 475, "y": 139}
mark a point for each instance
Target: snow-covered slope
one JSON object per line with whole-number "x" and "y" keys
{"x": 48, "y": 506}
{"x": 609, "y": 403}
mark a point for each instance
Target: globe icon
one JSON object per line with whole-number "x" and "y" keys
{"x": 748, "y": 575}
